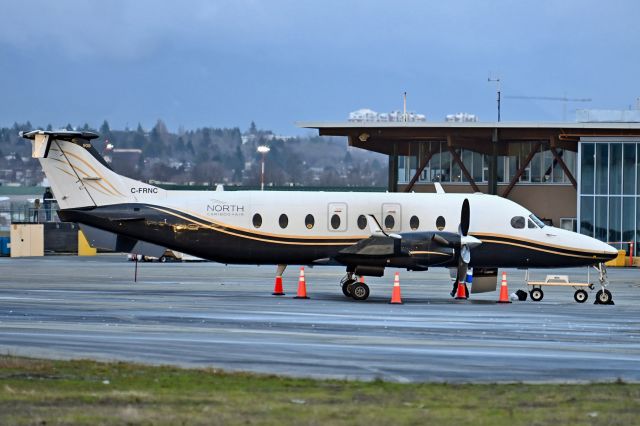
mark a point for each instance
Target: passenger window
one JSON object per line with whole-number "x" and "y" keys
{"x": 530, "y": 224}
{"x": 257, "y": 220}
{"x": 309, "y": 221}
{"x": 414, "y": 222}
{"x": 283, "y": 221}
{"x": 362, "y": 221}
{"x": 517, "y": 222}
{"x": 389, "y": 222}
{"x": 335, "y": 221}
{"x": 440, "y": 223}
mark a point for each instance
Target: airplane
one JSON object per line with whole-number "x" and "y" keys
{"x": 364, "y": 232}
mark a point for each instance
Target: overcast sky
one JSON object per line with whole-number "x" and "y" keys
{"x": 197, "y": 63}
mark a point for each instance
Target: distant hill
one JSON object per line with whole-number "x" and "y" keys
{"x": 209, "y": 156}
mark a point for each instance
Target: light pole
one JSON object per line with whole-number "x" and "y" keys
{"x": 263, "y": 149}
{"x": 497, "y": 81}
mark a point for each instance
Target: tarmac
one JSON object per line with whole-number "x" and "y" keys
{"x": 211, "y": 315}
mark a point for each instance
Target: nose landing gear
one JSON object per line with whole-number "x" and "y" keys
{"x": 603, "y": 296}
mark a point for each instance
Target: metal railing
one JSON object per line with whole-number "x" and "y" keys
{"x": 28, "y": 213}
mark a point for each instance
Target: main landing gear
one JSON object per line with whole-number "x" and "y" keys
{"x": 353, "y": 288}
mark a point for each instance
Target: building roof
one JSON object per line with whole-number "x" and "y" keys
{"x": 401, "y": 137}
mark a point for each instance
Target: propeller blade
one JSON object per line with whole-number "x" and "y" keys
{"x": 465, "y": 254}
{"x": 465, "y": 215}
{"x": 462, "y": 271}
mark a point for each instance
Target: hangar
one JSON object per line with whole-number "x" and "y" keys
{"x": 578, "y": 176}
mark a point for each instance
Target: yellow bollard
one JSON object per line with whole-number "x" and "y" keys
{"x": 618, "y": 261}
{"x": 84, "y": 248}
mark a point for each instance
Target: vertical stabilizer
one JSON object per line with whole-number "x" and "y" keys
{"x": 79, "y": 176}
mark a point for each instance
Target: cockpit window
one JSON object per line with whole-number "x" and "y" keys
{"x": 531, "y": 225}
{"x": 517, "y": 222}
{"x": 537, "y": 221}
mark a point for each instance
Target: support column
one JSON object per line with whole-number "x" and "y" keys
{"x": 392, "y": 185}
{"x": 422, "y": 165}
{"x": 559, "y": 160}
{"x": 521, "y": 170}
{"x": 492, "y": 187}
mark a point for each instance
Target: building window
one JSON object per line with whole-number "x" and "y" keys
{"x": 587, "y": 171}
{"x": 568, "y": 223}
{"x": 283, "y": 221}
{"x": 257, "y": 220}
{"x": 309, "y": 221}
{"x": 543, "y": 168}
{"x": 414, "y": 222}
{"x": 602, "y": 169}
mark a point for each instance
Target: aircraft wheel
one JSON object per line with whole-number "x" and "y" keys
{"x": 604, "y": 297}
{"x": 536, "y": 294}
{"x": 162, "y": 259}
{"x": 346, "y": 287}
{"x": 360, "y": 291}
{"x": 580, "y": 296}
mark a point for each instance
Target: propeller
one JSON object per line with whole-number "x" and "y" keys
{"x": 467, "y": 242}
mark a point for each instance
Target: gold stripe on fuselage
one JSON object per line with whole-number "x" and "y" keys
{"x": 250, "y": 237}
{"x": 96, "y": 172}
{"x": 76, "y": 177}
{"x": 68, "y": 163}
{"x": 267, "y": 234}
{"x": 429, "y": 252}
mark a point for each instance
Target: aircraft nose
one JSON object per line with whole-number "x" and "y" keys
{"x": 609, "y": 252}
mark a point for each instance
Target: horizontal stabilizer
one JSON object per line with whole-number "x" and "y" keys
{"x": 63, "y": 135}
{"x": 119, "y": 243}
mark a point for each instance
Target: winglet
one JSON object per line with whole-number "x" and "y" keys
{"x": 439, "y": 189}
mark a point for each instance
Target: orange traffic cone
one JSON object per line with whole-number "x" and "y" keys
{"x": 461, "y": 293}
{"x": 302, "y": 286}
{"x": 396, "y": 299}
{"x": 504, "y": 290}
{"x": 277, "y": 289}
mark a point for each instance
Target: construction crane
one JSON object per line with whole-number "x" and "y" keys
{"x": 562, "y": 99}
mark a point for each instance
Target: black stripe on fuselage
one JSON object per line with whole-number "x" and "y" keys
{"x": 211, "y": 240}
{"x": 533, "y": 245}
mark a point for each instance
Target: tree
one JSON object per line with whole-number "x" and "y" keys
{"x": 104, "y": 128}
{"x": 253, "y": 130}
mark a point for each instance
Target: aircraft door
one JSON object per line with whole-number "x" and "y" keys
{"x": 391, "y": 217}
{"x": 337, "y": 217}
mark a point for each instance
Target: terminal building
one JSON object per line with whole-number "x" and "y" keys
{"x": 578, "y": 176}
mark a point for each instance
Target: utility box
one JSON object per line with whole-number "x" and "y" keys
{"x": 27, "y": 240}
{"x": 4, "y": 246}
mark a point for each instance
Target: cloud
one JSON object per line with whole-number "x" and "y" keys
{"x": 113, "y": 28}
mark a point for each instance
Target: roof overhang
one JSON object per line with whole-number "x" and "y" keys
{"x": 390, "y": 137}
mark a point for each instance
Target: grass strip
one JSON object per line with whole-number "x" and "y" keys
{"x": 36, "y": 391}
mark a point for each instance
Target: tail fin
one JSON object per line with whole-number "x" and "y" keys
{"x": 79, "y": 176}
